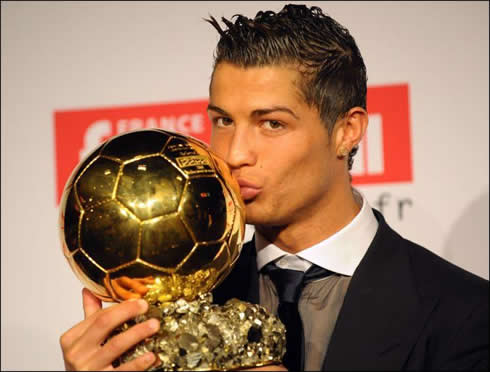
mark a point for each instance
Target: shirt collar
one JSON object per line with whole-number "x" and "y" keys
{"x": 340, "y": 253}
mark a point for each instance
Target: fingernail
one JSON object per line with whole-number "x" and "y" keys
{"x": 154, "y": 324}
{"x": 142, "y": 304}
{"x": 148, "y": 357}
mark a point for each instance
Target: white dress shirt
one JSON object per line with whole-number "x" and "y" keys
{"x": 340, "y": 253}
{"x": 321, "y": 300}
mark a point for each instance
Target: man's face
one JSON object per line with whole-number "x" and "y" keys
{"x": 275, "y": 144}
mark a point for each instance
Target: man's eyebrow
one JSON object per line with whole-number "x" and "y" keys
{"x": 217, "y": 109}
{"x": 265, "y": 111}
{"x": 258, "y": 112}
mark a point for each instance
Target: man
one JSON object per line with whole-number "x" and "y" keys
{"x": 288, "y": 107}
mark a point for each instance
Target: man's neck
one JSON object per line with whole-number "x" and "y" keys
{"x": 316, "y": 227}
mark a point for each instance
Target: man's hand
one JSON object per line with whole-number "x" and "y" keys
{"x": 126, "y": 288}
{"x": 81, "y": 345}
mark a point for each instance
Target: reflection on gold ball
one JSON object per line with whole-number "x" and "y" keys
{"x": 151, "y": 213}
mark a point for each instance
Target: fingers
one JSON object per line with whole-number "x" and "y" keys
{"x": 84, "y": 340}
{"x": 122, "y": 292}
{"x": 91, "y": 304}
{"x": 104, "y": 322}
{"x": 82, "y": 344}
{"x": 141, "y": 363}
{"x": 134, "y": 284}
{"x": 117, "y": 345}
{"x": 127, "y": 288}
{"x": 146, "y": 280}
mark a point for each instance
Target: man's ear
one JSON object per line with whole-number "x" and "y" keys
{"x": 349, "y": 130}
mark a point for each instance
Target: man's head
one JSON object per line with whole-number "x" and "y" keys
{"x": 278, "y": 83}
{"x": 332, "y": 72}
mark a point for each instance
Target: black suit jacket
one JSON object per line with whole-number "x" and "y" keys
{"x": 405, "y": 309}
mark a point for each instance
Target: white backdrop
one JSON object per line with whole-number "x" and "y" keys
{"x": 66, "y": 55}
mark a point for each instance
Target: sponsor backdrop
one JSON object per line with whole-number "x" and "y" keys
{"x": 76, "y": 73}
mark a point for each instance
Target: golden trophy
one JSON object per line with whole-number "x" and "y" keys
{"x": 154, "y": 214}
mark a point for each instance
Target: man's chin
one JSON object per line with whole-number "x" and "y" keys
{"x": 258, "y": 215}
{"x": 255, "y": 216}
{"x": 252, "y": 218}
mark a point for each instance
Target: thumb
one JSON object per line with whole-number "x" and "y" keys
{"x": 91, "y": 304}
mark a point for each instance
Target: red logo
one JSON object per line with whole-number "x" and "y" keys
{"x": 384, "y": 154}
{"x": 78, "y": 132}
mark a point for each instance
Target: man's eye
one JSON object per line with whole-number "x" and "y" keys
{"x": 272, "y": 124}
{"x": 222, "y": 122}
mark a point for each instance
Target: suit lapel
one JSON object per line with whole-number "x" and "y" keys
{"x": 243, "y": 280}
{"x": 382, "y": 311}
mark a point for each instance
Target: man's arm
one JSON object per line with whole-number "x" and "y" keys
{"x": 468, "y": 348}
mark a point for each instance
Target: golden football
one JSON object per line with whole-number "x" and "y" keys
{"x": 154, "y": 214}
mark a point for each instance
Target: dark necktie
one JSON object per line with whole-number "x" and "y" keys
{"x": 289, "y": 284}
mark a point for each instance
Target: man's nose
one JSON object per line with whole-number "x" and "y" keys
{"x": 241, "y": 149}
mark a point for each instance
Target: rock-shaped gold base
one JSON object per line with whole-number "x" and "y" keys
{"x": 198, "y": 335}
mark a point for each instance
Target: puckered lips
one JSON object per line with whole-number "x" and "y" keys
{"x": 248, "y": 190}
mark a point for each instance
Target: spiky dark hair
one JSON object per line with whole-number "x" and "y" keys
{"x": 333, "y": 73}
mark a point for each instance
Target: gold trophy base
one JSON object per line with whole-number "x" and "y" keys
{"x": 201, "y": 336}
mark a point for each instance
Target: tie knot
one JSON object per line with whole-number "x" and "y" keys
{"x": 288, "y": 282}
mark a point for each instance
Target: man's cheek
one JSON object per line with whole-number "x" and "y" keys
{"x": 213, "y": 142}
{"x": 218, "y": 146}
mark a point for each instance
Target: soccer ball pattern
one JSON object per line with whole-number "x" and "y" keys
{"x": 152, "y": 203}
